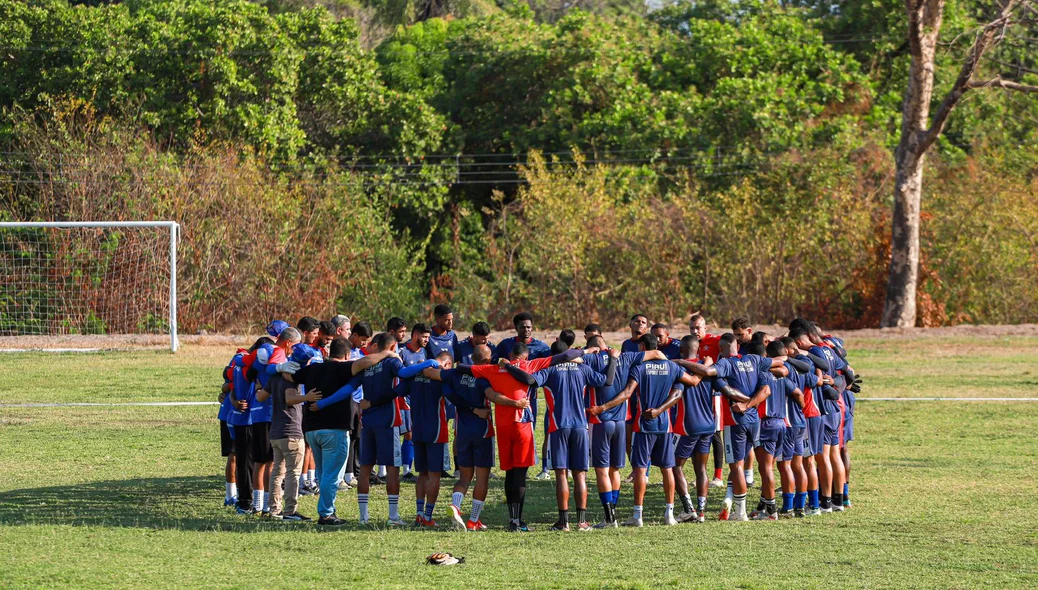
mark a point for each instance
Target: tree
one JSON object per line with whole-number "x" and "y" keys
{"x": 919, "y": 131}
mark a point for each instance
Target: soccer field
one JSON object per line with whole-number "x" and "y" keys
{"x": 132, "y": 496}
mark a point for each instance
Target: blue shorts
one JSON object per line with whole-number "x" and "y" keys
{"x": 771, "y": 440}
{"x": 813, "y": 446}
{"x": 475, "y": 452}
{"x": 793, "y": 443}
{"x": 848, "y": 428}
{"x": 380, "y": 446}
{"x": 693, "y": 444}
{"x": 569, "y": 449}
{"x": 431, "y": 457}
{"x": 659, "y": 448}
{"x": 736, "y": 444}
{"x": 752, "y": 434}
{"x": 405, "y": 422}
{"x": 609, "y": 444}
{"x": 831, "y": 429}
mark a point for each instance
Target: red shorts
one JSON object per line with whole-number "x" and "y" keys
{"x": 515, "y": 446}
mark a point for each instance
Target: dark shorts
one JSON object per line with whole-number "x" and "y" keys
{"x": 771, "y": 439}
{"x": 654, "y": 449}
{"x": 693, "y": 444}
{"x": 431, "y": 457}
{"x": 242, "y": 436}
{"x": 475, "y": 452}
{"x": 261, "y": 451}
{"x": 609, "y": 444}
{"x": 814, "y": 435}
{"x": 405, "y": 423}
{"x": 226, "y": 439}
{"x": 752, "y": 434}
{"x": 569, "y": 449}
{"x": 848, "y": 428}
{"x": 380, "y": 446}
{"x": 737, "y": 444}
{"x": 831, "y": 429}
{"x": 793, "y": 443}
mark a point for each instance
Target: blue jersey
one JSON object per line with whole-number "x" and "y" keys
{"x": 267, "y": 358}
{"x": 463, "y": 351}
{"x": 442, "y": 343}
{"x": 774, "y": 407}
{"x": 598, "y": 396}
{"x": 428, "y": 410}
{"x": 412, "y": 357}
{"x": 467, "y": 392}
{"x": 228, "y": 378}
{"x": 537, "y": 348}
{"x": 655, "y": 381}
{"x": 836, "y": 364}
{"x": 380, "y": 388}
{"x": 672, "y": 349}
{"x": 694, "y": 414}
{"x": 803, "y": 382}
{"x": 244, "y": 390}
{"x": 629, "y": 345}
{"x": 564, "y": 386}
{"x": 743, "y": 373}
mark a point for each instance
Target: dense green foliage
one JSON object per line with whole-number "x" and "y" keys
{"x": 732, "y": 156}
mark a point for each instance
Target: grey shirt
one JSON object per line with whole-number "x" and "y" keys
{"x": 287, "y": 421}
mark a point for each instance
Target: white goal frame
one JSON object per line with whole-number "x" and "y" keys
{"x": 174, "y": 234}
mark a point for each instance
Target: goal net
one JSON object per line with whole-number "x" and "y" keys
{"x": 76, "y": 285}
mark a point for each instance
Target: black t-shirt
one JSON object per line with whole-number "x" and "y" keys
{"x": 327, "y": 377}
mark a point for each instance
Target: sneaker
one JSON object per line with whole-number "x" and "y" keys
{"x": 456, "y": 517}
{"x": 228, "y": 503}
{"x": 635, "y": 522}
{"x": 543, "y": 476}
{"x": 397, "y": 523}
{"x": 717, "y": 482}
{"x": 244, "y": 511}
{"x": 345, "y": 486}
{"x": 813, "y": 512}
{"x": 726, "y": 508}
{"x": 334, "y": 521}
{"x": 307, "y": 490}
{"x": 606, "y": 525}
{"x": 296, "y": 517}
{"x": 688, "y": 517}
{"x": 584, "y": 527}
{"x": 475, "y": 526}
{"x": 409, "y": 477}
{"x": 560, "y": 526}
{"x": 670, "y": 520}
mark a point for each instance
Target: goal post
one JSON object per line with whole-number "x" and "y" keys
{"x": 87, "y": 278}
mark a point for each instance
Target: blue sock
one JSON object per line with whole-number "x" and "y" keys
{"x": 813, "y": 495}
{"x": 846, "y": 491}
{"x": 419, "y": 505}
{"x": 429, "y": 510}
{"x": 616, "y": 496}
{"x": 605, "y": 497}
{"x": 799, "y": 500}
{"x": 787, "y": 502}
{"x": 407, "y": 454}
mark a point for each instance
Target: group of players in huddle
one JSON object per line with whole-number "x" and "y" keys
{"x": 317, "y": 408}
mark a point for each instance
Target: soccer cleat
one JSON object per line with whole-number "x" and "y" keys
{"x": 543, "y": 476}
{"x": 837, "y": 508}
{"x": 560, "y": 526}
{"x": 584, "y": 527}
{"x": 418, "y": 518}
{"x": 334, "y": 521}
{"x": 409, "y": 477}
{"x": 798, "y": 513}
{"x": 232, "y": 502}
{"x": 670, "y": 520}
{"x": 245, "y": 511}
{"x": 755, "y": 515}
{"x": 521, "y": 527}
{"x": 428, "y": 523}
{"x": 475, "y": 526}
{"x": 726, "y": 508}
{"x": 846, "y": 503}
{"x": 813, "y": 512}
{"x": 717, "y": 483}
{"x": 606, "y": 525}
{"x": 701, "y": 518}
{"x": 456, "y": 517}
{"x": 826, "y": 510}
{"x": 306, "y": 490}
{"x": 763, "y": 515}
{"x": 738, "y": 517}
{"x": 633, "y": 522}
{"x": 749, "y": 481}
{"x": 345, "y": 486}
{"x": 396, "y": 523}
{"x": 785, "y": 514}
{"x": 688, "y": 516}
{"x": 296, "y": 517}
{"x": 265, "y": 514}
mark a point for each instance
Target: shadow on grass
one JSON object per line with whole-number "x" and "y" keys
{"x": 193, "y": 503}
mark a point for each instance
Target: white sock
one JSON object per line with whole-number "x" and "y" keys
{"x": 311, "y": 476}
{"x": 477, "y": 508}
{"x": 728, "y": 493}
{"x": 749, "y": 476}
{"x": 394, "y": 507}
{"x": 381, "y": 470}
{"x": 637, "y": 512}
{"x": 740, "y": 505}
{"x": 257, "y": 500}
{"x": 456, "y": 499}
{"x": 266, "y": 501}
{"x": 302, "y": 481}
{"x": 362, "y": 503}
{"x": 231, "y": 491}
{"x": 669, "y": 512}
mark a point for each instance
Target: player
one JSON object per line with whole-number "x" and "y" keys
{"x": 826, "y": 435}
{"x": 796, "y": 450}
{"x": 639, "y": 326}
{"x": 565, "y": 338}
{"x": 343, "y": 326}
{"x": 668, "y": 345}
{"x": 243, "y": 396}
{"x": 523, "y": 323}
{"x": 360, "y": 336}
{"x": 442, "y": 338}
{"x": 414, "y": 352}
{"x": 398, "y": 328}
{"x": 709, "y": 351}
{"x": 590, "y": 331}
{"x": 226, "y": 432}
{"x": 743, "y": 330}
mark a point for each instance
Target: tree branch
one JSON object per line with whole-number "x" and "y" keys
{"x": 999, "y": 82}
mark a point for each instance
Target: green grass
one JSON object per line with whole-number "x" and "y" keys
{"x": 101, "y": 497}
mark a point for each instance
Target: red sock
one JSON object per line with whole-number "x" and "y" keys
{"x": 717, "y": 474}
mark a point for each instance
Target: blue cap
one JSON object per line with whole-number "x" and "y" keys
{"x": 304, "y": 354}
{"x": 276, "y": 327}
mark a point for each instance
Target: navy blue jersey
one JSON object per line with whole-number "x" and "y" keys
{"x": 412, "y": 357}
{"x": 564, "y": 386}
{"x": 380, "y": 388}
{"x": 655, "y": 380}
{"x": 244, "y": 390}
{"x": 463, "y": 351}
{"x": 803, "y": 382}
{"x": 538, "y": 349}
{"x": 441, "y": 343}
{"x": 467, "y": 392}
{"x": 743, "y": 373}
{"x": 775, "y": 406}
{"x": 428, "y": 410}
{"x": 836, "y": 364}
{"x": 629, "y": 345}
{"x": 694, "y": 412}
{"x": 598, "y": 396}
{"x": 672, "y": 349}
